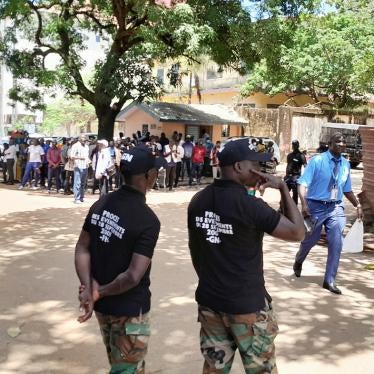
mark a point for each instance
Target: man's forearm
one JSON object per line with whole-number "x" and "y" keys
{"x": 122, "y": 283}
{"x": 83, "y": 266}
{"x": 352, "y": 198}
{"x": 302, "y": 194}
{"x": 289, "y": 207}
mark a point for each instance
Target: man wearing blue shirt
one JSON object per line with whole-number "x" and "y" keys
{"x": 321, "y": 188}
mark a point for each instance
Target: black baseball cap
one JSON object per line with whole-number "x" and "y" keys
{"x": 139, "y": 160}
{"x": 239, "y": 150}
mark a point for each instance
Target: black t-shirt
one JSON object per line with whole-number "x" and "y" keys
{"x": 119, "y": 225}
{"x": 295, "y": 160}
{"x": 226, "y": 229}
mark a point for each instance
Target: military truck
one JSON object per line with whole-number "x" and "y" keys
{"x": 351, "y": 132}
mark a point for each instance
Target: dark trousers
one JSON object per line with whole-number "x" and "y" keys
{"x": 291, "y": 182}
{"x": 62, "y": 175}
{"x": 43, "y": 174}
{"x": 69, "y": 181}
{"x": 95, "y": 185}
{"x": 103, "y": 185}
{"x": 115, "y": 178}
{"x": 9, "y": 166}
{"x": 187, "y": 166}
{"x": 178, "y": 173}
{"x": 207, "y": 169}
{"x": 170, "y": 176}
{"x": 197, "y": 170}
{"x": 54, "y": 173}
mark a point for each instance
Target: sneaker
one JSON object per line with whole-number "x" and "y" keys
{"x": 20, "y": 187}
{"x": 77, "y": 202}
{"x": 35, "y": 188}
{"x": 61, "y": 190}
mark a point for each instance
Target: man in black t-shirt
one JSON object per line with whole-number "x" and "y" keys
{"x": 226, "y": 228}
{"x": 113, "y": 262}
{"x": 295, "y": 161}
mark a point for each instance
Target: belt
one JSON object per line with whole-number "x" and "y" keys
{"x": 326, "y": 202}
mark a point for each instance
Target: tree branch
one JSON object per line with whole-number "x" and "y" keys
{"x": 95, "y": 19}
{"x": 38, "y": 32}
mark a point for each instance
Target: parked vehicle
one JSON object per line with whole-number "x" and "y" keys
{"x": 351, "y": 132}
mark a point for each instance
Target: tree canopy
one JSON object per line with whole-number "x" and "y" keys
{"x": 325, "y": 55}
{"x": 67, "y": 114}
{"x": 136, "y": 33}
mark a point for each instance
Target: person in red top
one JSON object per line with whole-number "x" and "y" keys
{"x": 198, "y": 154}
{"x": 54, "y": 159}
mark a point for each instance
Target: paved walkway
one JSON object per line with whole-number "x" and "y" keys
{"x": 320, "y": 332}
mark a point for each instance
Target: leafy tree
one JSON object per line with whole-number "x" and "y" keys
{"x": 329, "y": 55}
{"x": 136, "y": 33}
{"x": 69, "y": 114}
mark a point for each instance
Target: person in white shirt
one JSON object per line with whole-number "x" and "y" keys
{"x": 80, "y": 156}
{"x": 35, "y": 153}
{"x": 171, "y": 157}
{"x": 101, "y": 162}
{"x": 10, "y": 155}
{"x": 180, "y": 155}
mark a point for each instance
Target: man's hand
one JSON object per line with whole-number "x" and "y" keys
{"x": 268, "y": 181}
{"x": 86, "y": 304}
{"x": 95, "y": 290}
{"x": 305, "y": 211}
{"x": 360, "y": 214}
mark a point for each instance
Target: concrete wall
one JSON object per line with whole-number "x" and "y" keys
{"x": 135, "y": 121}
{"x": 231, "y": 97}
{"x": 307, "y": 129}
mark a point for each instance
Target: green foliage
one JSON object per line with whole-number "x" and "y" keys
{"x": 135, "y": 32}
{"x": 329, "y": 55}
{"x": 22, "y": 121}
{"x": 67, "y": 114}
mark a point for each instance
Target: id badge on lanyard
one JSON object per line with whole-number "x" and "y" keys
{"x": 334, "y": 193}
{"x": 334, "y": 188}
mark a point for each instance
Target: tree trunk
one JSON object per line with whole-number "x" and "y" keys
{"x": 198, "y": 88}
{"x": 106, "y": 116}
{"x": 190, "y": 89}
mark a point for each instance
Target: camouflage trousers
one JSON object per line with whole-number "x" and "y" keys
{"x": 252, "y": 334}
{"x": 126, "y": 342}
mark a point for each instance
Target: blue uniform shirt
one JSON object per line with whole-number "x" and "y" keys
{"x": 319, "y": 178}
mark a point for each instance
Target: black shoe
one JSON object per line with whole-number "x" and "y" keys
{"x": 331, "y": 287}
{"x": 297, "y": 267}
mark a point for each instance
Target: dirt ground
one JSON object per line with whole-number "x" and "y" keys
{"x": 319, "y": 332}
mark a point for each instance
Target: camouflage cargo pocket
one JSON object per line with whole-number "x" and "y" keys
{"x": 129, "y": 342}
{"x": 265, "y": 329}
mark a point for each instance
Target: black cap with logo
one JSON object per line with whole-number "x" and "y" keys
{"x": 139, "y": 160}
{"x": 239, "y": 150}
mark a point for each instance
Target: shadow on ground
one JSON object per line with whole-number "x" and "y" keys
{"x": 38, "y": 293}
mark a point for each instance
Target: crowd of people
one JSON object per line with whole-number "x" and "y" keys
{"x": 66, "y": 167}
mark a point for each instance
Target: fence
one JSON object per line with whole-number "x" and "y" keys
{"x": 287, "y": 123}
{"x": 367, "y": 194}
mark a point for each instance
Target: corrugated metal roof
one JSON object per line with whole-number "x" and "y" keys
{"x": 187, "y": 114}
